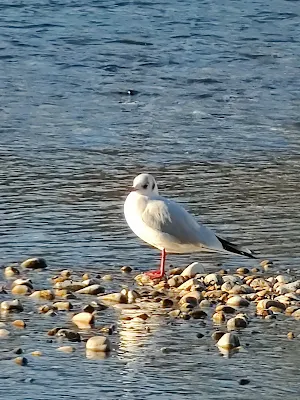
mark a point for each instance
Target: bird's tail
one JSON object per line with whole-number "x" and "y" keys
{"x": 232, "y": 248}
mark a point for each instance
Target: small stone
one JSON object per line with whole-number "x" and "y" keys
{"x": 226, "y": 309}
{"x": 34, "y": 263}
{"x": 98, "y": 344}
{"x": 11, "y": 271}
{"x": 291, "y": 335}
{"x": 69, "y": 285}
{"x": 66, "y": 273}
{"x": 4, "y": 333}
{"x": 265, "y": 304}
{"x": 291, "y": 309}
{"x": 63, "y": 306}
{"x": 19, "y": 323}
{"x": 176, "y": 281}
{"x": 244, "y": 381}
{"x": 198, "y": 314}
{"x": 167, "y": 303}
{"x": 53, "y": 331}
{"x": 199, "y": 335}
{"x": 216, "y": 336}
{"x": 17, "y": 350}
{"x": 284, "y": 279}
{"x": 229, "y": 341}
{"x": 45, "y": 308}
{"x": 205, "y": 303}
{"x": 234, "y": 279}
{"x": 126, "y": 269}
{"x": 114, "y": 298}
{"x": 83, "y": 320}
{"x": 193, "y": 298}
{"x": 69, "y": 334}
{"x": 237, "y": 301}
{"x": 21, "y": 361}
{"x": 20, "y": 290}
{"x": 213, "y": 279}
{"x": 193, "y": 269}
{"x": 107, "y": 277}
{"x": 92, "y": 290}
{"x": 36, "y": 353}
{"x": 266, "y": 262}
{"x": 236, "y": 323}
{"x": 218, "y": 317}
{"x": 296, "y": 314}
{"x": 174, "y": 313}
{"x": 21, "y": 281}
{"x": 242, "y": 271}
{"x": 42, "y": 294}
{"x": 66, "y": 349}
{"x": 13, "y": 305}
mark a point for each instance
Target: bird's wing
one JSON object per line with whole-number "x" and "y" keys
{"x": 166, "y": 216}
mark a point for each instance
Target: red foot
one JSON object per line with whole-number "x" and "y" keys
{"x": 155, "y": 274}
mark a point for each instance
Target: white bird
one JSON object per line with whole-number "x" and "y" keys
{"x": 166, "y": 225}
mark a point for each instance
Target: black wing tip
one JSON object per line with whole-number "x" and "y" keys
{"x": 234, "y": 249}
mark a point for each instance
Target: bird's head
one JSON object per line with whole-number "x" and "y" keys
{"x": 145, "y": 184}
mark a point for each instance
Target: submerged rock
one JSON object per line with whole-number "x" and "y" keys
{"x": 21, "y": 361}
{"x": 83, "y": 320}
{"x": 19, "y": 323}
{"x": 72, "y": 336}
{"x": 98, "y": 344}
{"x": 11, "y": 271}
{"x": 20, "y": 290}
{"x": 13, "y": 305}
{"x": 34, "y": 263}
{"x": 4, "y": 333}
{"x": 229, "y": 341}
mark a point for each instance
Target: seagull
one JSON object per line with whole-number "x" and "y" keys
{"x": 166, "y": 225}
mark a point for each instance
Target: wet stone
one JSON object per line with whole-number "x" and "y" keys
{"x": 11, "y": 271}
{"x": 83, "y": 320}
{"x": 193, "y": 269}
{"x": 21, "y": 281}
{"x": 226, "y": 309}
{"x": 66, "y": 349}
{"x": 42, "y": 294}
{"x": 63, "y": 305}
{"x": 291, "y": 335}
{"x": 236, "y": 323}
{"x": 19, "y": 323}
{"x": 92, "y": 290}
{"x": 219, "y": 317}
{"x": 34, "y": 263}
{"x": 229, "y": 341}
{"x": 4, "y": 333}
{"x": 216, "y": 336}
{"x": 20, "y": 290}
{"x": 237, "y": 301}
{"x": 98, "y": 344}
{"x": 198, "y": 314}
{"x": 126, "y": 269}
{"x": 13, "y": 305}
{"x": 21, "y": 361}
{"x": 212, "y": 279}
{"x": 244, "y": 381}
{"x": 72, "y": 336}
{"x": 167, "y": 303}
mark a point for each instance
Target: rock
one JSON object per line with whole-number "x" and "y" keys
{"x": 227, "y": 286}
{"x": 205, "y": 303}
{"x": 291, "y": 309}
{"x": 11, "y": 271}
{"x": 21, "y": 361}
{"x": 98, "y": 344}
{"x": 17, "y": 350}
{"x": 236, "y": 323}
{"x": 20, "y": 290}
{"x": 69, "y": 285}
{"x": 42, "y": 294}
{"x": 213, "y": 279}
{"x": 189, "y": 284}
{"x": 241, "y": 289}
{"x": 284, "y": 278}
{"x": 288, "y": 287}
{"x": 63, "y": 306}
{"x": 244, "y": 381}
{"x": 214, "y": 294}
{"x": 97, "y": 306}
{"x": 19, "y": 323}
{"x": 193, "y": 269}
{"x": 72, "y": 336}
{"x": 34, "y": 263}
{"x": 218, "y": 317}
{"x": 4, "y": 333}
{"x": 92, "y": 290}
{"x": 21, "y": 281}
{"x": 229, "y": 341}
{"x": 237, "y": 301}
{"x": 66, "y": 349}
{"x": 186, "y": 307}
{"x": 176, "y": 281}
{"x": 193, "y": 298}
{"x": 265, "y": 304}
{"x": 91, "y": 281}
{"x": 53, "y": 331}
{"x": 291, "y": 335}
{"x": 260, "y": 283}
{"x": 216, "y": 336}
{"x": 174, "y": 313}
{"x": 175, "y": 271}
{"x": 36, "y": 353}
{"x": 167, "y": 303}
{"x": 45, "y": 308}
{"x": 66, "y": 273}
{"x": 13, "y": 305}
{"x": 242, "y": 271}
{"x": 83, "y": 320}
{"x": 235, "y": 280}
{"x": 198, "y": 314}
{"x": 132, "y": 295}
{"x": 126, "y": 269}
{"x": 199, "y": 335}
{"x": 226, "y": 309}
{"x": 266, "y": 262}
{"x": 108, "y": 277}
{"x": 113, "y": 298}
{"x": 296, "y": 314}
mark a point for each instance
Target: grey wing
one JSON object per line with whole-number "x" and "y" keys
{"x": 168, "y": 217}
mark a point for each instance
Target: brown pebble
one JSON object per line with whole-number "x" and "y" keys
{"x": 126, "y": 269}
{"x": 291, "y": 335}
{"x": 198, "y": 314}
{"x": 226, "y": 309}
{"x": 242, "y": 271}
{"x": 21, "y": 361}
{"x": 19, "y": 323}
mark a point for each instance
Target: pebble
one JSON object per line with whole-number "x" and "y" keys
{"x": 114, "y": 298}
{"x": 43, "y": 294}
{"x": 34, "y": 263}
{"x": 193, "y": 298}
{"x": 266, "y": 303}
{"x": 212, "y": 279}
{"x": 19, "y": 323}
{"x": 216, "y": 336}
{"x": 205, "y": 303}
{"x": 21, "y": 281}
{"x": 98, "y": 344}
{"x": 167, "y": 303}
{"x": 91, "y": 290}
{"x": 176, "y": 281}
{"x": 11, "y": 271}
{"x": 291, "y": 335}
{"x": 225, "y": 308}
{"x": 192, "y": 270}
{"x": 126, "y": 269}
{"x": 21, "y": 361}
{"x": 4, "y": 333}
{"x": 229, "y": 341}
{"x": 21, "y": 290}
{"x": 13, "y": 305}
{"x": 218, "y": 317}
{"x": 66, "y": 349}
{"x": 72, "y": 336}
{"x": 199, "y": 335}
{"x": 236, "y": 323}
{"x": 244, "y": 381}
{"x": 36, "y": 353}
{"x": 242, "y": 271}
{"x": 63, "y": 306}
{"x": 107, "y": 277}
{"x": 237, "y": 301}
{"x": 69, "y": 285}
{"x": 83, "y": 320}
{"x": 198, "y": 314}
{"x": 296, "y": 314}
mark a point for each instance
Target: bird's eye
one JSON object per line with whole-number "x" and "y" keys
{"x": 145, "y": 186}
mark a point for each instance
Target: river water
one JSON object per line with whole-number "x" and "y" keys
{"x": 204, "y": 95}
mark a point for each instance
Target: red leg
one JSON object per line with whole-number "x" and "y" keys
{"x": 160, "y": 272}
